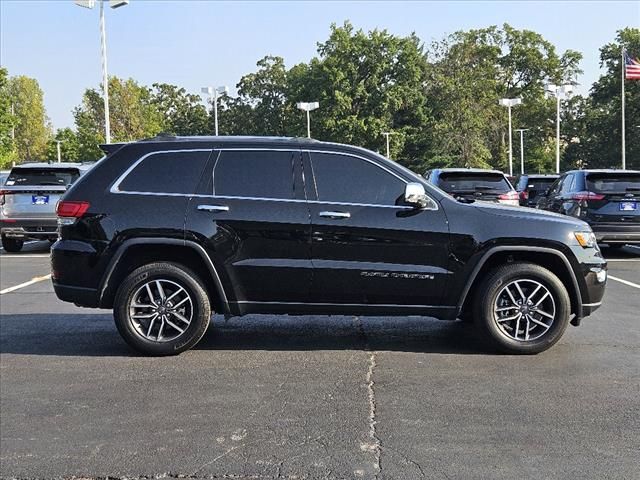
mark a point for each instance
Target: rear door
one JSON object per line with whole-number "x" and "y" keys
{"x": 367, "y": 247}
{"x": 254, "y": 222}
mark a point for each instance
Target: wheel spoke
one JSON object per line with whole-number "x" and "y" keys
{"x": 142, "y": 316}
{"x": 185, "y": 299}
{"x": 160, "y": 290}
{"x": 153, "y": 320}
{"x": 522, "y": 295}
{"x": 526, "y": 330}
{"x": 148, "y": 287}
{"x": 542, "y": 312}
{"x": 175, "y": 293}
{"x": 533, "y": 293}
{"x": 505, "y": 309}
{"x": 509, "y": 319}
{"x": 538, "y": 322}
{"x": 142, "y": 305}
{"x": 510, "y": 295}
{"x": 546, "y": 294}
{"x": 517, "y": 327}
{"x": 175, "y": 326}
{"x": 161, "y": 327}
{"x": 181, "y": 317}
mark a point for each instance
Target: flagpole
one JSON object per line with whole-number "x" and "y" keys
{"x": 624, "y": 153}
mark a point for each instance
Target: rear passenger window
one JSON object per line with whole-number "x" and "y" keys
{"x": 167, "y": 172}
{"x": 256, "y": 174}
{"x": 347, "y": 179}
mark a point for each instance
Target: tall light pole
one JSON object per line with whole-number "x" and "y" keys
{"x": 308, "y": 107}
{"x": 58, "y": 142}
{"x": 215, "y": 92}
{"x": 521, "y": 130}
{"x": 387, "y": 134}
{"x": 558, "y": 91}
{"x": 103, "y": 50}
{"x": 510, "y": 102}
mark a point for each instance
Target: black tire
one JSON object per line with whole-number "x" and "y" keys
{"x": 199, "y": 305}
{"x": 495, "y": 333}
{"x": 11, "y": 245}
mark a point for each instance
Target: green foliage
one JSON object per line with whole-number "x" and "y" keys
{"x": 69, "y": 147}
{"x": 181, "y": 113}
{"x": 7, "y": 122}
{"x": 32, "y": 130}
{"x": 593, "y": 124}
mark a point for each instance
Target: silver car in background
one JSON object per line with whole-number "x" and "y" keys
{"x": 28, "y": 200}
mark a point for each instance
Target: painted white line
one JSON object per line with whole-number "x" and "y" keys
{"x": 614, "y": 260}
{"x": 634, "y": 246}
{"x": 626, "y": 282}
{"x": 42, "y": 255}
{"x": 25, "y": 284}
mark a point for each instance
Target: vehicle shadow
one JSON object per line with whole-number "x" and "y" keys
{"x": 95, "y": 335}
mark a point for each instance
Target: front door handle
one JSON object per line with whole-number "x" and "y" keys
{"x": 213, "y": 208}
{"x": 335, "y": 215}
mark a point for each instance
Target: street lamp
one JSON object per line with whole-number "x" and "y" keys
{"x": 103, "y": 49}
{"x": 308, "y": 107}
{"x": 558, "y": 92}
{"x": 521, "y": 130}
{"x": 510, "y": 102}
{"x": 386, "y": 134}
{"x": 215, "y": 92}
{"x": 58, "y": 142}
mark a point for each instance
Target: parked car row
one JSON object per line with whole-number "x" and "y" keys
{"x": 605, "y": 199}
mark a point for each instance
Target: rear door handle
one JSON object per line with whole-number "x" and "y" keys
{"x": 336, "y": 215}
{"x": 213, "y": 208}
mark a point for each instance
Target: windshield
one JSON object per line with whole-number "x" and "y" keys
{"x": 613, "y": 182}
{"x": 472, "y": 182}
{"x": 42, "y": 176}
{"x": 539, "y": 183}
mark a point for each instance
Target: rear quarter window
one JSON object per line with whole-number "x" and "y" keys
{"x": 167, "y": 172}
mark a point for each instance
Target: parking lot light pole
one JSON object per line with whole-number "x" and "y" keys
{"x": 510, "y": 102}
{"x": 308, "y": 107}
{"x": 103, "y": 52}
{"x": 215, "y": 92}
{"x": 558, "y": 91}
{"x": 521, "y": 130}
{"x": 387, "y": 134}
{"x": 58, "y": 142}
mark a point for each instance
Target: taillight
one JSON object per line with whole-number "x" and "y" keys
{"x": 2, "y": 196}
{"x": 586, "y": 196}
{"x": 509, "y": 196}
{"x": 67, "y": 209}
{"x": 524, "y": 195}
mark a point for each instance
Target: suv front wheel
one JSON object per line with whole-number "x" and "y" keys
{"x": 11, "y": 245}
{"x": 522, "y": 308}
{"x": 162, "y": 309}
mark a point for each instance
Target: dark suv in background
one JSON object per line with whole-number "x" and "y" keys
{"x": 471, "y": 184}
{"x": 533, "y": 187}
{"x": 167, "y": 230}
{"x": 608, "y": 200}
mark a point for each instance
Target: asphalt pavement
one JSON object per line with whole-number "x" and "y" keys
{"x": 266, "y": 397}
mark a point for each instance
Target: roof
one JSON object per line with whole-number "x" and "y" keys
{"x": 540, "y": 175}
{"x": 604, "y": 170}
{"x": 468, "y": 170}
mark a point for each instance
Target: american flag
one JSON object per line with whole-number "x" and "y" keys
{"x": 631, "y": 67}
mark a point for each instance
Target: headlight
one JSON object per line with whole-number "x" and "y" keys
{"x": 586, "y": 239}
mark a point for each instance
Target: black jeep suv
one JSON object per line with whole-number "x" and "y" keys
{"x": 168, "y": 230}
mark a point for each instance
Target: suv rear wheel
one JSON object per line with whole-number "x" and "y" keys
{"x": 11, "y": 244}
{"x": 522, "y": 308}
{"x": 162, "y": 309}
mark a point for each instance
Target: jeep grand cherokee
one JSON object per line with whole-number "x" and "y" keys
{"x": 168, "y": 230}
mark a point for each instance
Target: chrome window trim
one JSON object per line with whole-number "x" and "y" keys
{"x": 115, "y": 188}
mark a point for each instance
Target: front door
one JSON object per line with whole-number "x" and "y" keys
{"x": 367, "y": 247}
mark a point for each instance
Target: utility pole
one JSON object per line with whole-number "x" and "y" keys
{"x": 387, "y": 134}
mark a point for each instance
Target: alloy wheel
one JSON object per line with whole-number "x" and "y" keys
{"x": 161, "y": 310}
{"x": 524, "y": 310}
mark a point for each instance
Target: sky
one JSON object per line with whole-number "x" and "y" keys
{"x": 197, "y": 43}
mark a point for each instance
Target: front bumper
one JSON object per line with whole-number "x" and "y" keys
{"x": 37, "y": 228}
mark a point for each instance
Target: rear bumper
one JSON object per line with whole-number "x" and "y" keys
{"x": 29, "y": 227}
{"x": 616, "y": 233}
{"x": 83, "y": 297}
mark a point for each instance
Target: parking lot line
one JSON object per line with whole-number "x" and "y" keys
{"x": 626, "y": 282}
{"x": 41, "y": 255}
{"x": 25, "y": 284}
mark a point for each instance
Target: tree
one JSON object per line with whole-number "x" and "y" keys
{"x": 133, "y": 115}
{"x": 182, "y": 113}
{"x": 7, "y": 122}
{"x": 32, "y": 131}
{"x": 593, "y": 126}
{"x": 69, "y": 147}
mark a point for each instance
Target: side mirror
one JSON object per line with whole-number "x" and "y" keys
{"x": 415, "y": 194}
